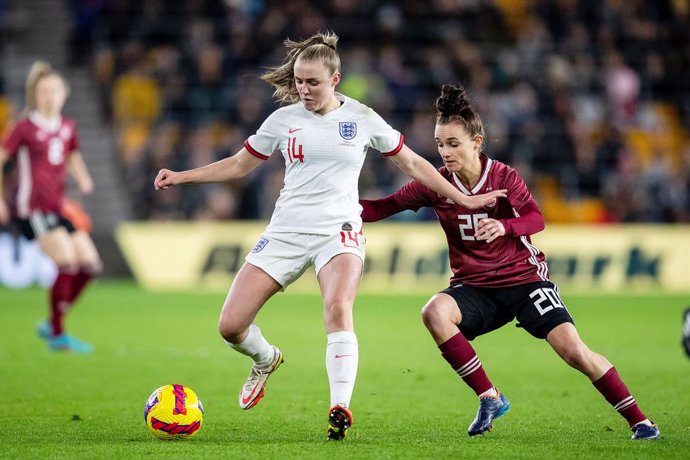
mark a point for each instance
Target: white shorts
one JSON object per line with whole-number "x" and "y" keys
{"x": 285, "y": 256}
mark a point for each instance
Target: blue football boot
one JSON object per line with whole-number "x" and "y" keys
{"x": 44, "y": 330}
{"x": 69, "y": 343}
{"x": 643, "y": 432}
{"x": 490, "y": 408}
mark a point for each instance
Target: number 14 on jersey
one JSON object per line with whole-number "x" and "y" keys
{"x": 293, "y": 153}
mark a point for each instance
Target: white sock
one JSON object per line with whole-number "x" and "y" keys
{"x": 342, "y": 357}
{"x": 255, "y": 346}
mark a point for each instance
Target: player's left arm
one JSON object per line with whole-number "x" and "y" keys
{"x": 528, "y": 218}
{"x": 77, "y": 166}
{"x": 379, "y": 209}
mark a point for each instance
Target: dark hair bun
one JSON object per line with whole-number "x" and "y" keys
{"x": 452, "y": 101}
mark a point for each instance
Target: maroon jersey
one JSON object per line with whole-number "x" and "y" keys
{"x": 507, "y": 261}
{"x": 41, "y": 149}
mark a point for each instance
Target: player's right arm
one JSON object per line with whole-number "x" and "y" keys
{"x": 223, "y": 170}
{"x": 4, "y": 211}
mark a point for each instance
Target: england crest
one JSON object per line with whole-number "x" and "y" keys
{"x": 260, "y": 245}
{"x": 348, "y": 130}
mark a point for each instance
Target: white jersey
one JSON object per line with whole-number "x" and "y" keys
{"x": 323, "y": 156}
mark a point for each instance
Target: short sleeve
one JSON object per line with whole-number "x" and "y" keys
{"x": 266, "y": 140}
{"x": 383, "y": 138}
{"x": 14, "y": 140}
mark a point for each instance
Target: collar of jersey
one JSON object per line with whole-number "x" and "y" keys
{"x": 480, "y": 183}
{"x": 44, "y": 123}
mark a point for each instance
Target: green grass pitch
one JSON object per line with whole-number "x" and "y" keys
{"x": 407, "y": 402}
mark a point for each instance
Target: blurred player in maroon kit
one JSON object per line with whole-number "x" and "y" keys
{"x": 42, "y": 144}
{"x": 498, "y": 275}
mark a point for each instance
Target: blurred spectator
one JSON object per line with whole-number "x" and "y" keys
{"x": 85, "y": 14}
{"x": 6, "y": 110}
{"x": 136, "y": 103}
{"x": 566, "y": 88}
{"x": 622, "y": 89}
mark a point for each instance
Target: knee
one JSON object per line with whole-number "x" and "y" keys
{"x": 436, "y": 313}
{"x": 68, "y": 266}
{"x": 231, "y": 331}
{"x": 338, "y": 313}
{"x": 430, "y": 314}
{"x": 67, "y": 262}
{"x": 93, "y": 268}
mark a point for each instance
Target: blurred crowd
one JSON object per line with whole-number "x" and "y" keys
{"x": 589, "y": 99}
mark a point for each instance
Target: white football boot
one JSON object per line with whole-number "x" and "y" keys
{"x": 253, "y": 389}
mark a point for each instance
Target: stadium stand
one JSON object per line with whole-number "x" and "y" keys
{"x": 590, "y": 100}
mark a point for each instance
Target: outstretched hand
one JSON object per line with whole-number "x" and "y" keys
{"x": 166, "y": 178}
{"x": 486, "y": 199}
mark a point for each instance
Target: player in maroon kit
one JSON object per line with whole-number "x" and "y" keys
{"x": 498, "y": 275}
{"x": 42, "y": 144}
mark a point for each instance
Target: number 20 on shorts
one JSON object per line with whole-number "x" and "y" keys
{"x": 546, "y": 299}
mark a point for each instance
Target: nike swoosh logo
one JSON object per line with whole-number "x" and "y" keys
{"x": 249, "y": 398}
{"x": 342, "y": 356}
{"x": 294, "y": 130}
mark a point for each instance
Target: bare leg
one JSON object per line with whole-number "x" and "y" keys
{"x": 567, "y": 343}
{"x": 441, "y": 317}
{"x": 90, "y": 264}
{"x": 565, "y": 340}
{"x": 339, "y": 281}
{"x": 58, "y": 245}
{"x": 250, "y": 290}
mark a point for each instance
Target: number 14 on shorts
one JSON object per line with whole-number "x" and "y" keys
{"x": 350, "y": 239}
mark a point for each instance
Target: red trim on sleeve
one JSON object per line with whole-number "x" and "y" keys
{"x": 397, "y": 149}
{"x": 254, "y": 152}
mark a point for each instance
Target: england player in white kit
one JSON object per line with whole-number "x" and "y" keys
{"x": 323, "y": 157}
{"x": 323, "y": 137}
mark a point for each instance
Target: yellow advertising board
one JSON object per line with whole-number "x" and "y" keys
{"x": 414, "y": 257}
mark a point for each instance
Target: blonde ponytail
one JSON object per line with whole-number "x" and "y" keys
{"x": 319, "y": 47}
